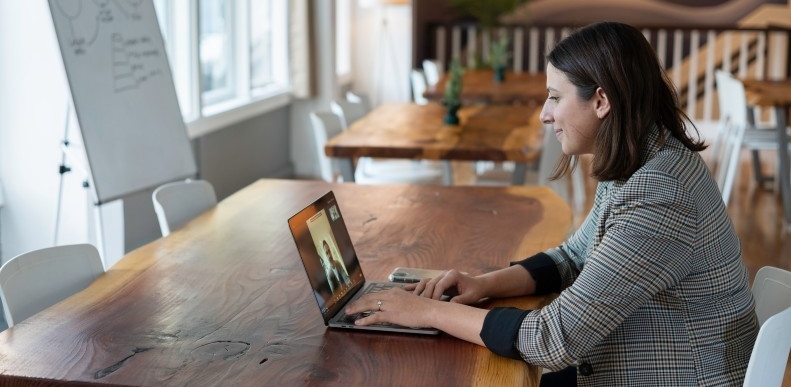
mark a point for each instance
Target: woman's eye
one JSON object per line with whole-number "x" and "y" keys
{"x": 551, "y": 98}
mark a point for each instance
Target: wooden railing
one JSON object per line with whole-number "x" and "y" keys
{"x": 690, "y": 56}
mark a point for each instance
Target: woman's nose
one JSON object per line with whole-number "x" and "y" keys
{"x": 546, "y": 116}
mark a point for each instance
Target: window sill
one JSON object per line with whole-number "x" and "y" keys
{"x": 222, "y": 115}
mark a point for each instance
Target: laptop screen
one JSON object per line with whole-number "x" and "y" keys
{"x": 327, "y": 253}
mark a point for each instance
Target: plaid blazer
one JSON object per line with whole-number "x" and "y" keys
{"x": 654, "y": 289}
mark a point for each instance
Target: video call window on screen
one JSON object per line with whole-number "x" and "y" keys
{"x": 327, "y": 253}
{"x": 332, "y": 269}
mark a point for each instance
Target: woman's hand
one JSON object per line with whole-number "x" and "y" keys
{"x": 395, "y": 306}
{"x": 418, "y": 305}
{"x": 462, "y": 288}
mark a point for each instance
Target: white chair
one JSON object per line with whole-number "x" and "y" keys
{"x": 359, "y": 98}
{"x": 757, "y": 139}
{"x": 770, "y": 353}
{"x": 348, "y": 111}
{"x": 733, "y": 123}
{"x": 36, "y": 280}
{"x": 737, "y": 132}
{"x": 539, "y": 174}
{"x": 551, "y": 152}
{"x": 432, "y": 68}
{"x": 179, "y": 202}
{"x": 418, "y": 81}
{"x": 772, "y": 292}
{"x": 327, "y": 125}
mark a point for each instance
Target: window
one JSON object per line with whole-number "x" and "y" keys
{"x": 216, "y": 50}
{"x": 162, "y": 16}
{"x": 174, "y": 18}
{"x": 225, "y": 55}
{"x": 268, "y": 23}
{"x": 261, "y": 28}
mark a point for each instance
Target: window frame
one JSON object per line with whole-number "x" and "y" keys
{"x": 343, "y": 41}
{"x": 204, "y": 114}
{"x": 230, "y": 54}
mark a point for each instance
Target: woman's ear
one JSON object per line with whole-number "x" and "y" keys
{"x": 601, "y": 104}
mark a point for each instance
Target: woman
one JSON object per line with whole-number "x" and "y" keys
{"x": 652, "y": 287}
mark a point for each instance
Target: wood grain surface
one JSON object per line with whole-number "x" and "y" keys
{"x": 479, "y": 87}
{"x": 411, "y": 131}
{"x": 224, "y": 301}
{"x": 768, "y": 93}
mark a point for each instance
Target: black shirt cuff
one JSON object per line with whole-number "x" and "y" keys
{"x": 544, "y": 271}
{"x": 500, "y": 329}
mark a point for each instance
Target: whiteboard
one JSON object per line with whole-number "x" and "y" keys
{"x": 123, "y": 95}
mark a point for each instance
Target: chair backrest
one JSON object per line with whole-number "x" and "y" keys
{"x": 179, "y": 202}
{"x": 770, "y": 353}
{"x": 348, "y": 111}
{"x": 433, "y": 71}
{"x": 325, "y": 126}
{"x": 36, "y": 280}
{"x": 418, "y": 86}
{"x": 359, "y": 98}
{"x": 733, "y": 124}
{"x": 551, "y": 151}
{"x": 772, "y": 292}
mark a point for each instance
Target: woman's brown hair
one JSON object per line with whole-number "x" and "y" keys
{"x": 617, "y": 58}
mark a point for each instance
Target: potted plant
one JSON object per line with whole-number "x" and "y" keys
{"x": 498, "y": 57}
{"x": 488, "y": 14}
{"x": 452, "y": 97}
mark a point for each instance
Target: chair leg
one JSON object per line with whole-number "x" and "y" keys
{"x": 760, "y": 178}
{"x": 447, "y": 172}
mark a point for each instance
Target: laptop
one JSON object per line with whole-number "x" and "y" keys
{"x": 334, "y": 272}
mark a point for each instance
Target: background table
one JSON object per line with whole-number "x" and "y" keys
{"x": 776, "y": 94}
{"x": 224, "y": 301}
{"x": 411, "y": 131}
{"x": 479, "y": 87}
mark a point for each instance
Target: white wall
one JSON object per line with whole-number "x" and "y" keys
{"x": 33, "y": 102}
{"x": 382, "y": 51}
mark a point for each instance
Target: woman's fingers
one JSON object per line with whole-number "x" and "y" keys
{"x": 392, "y": 306}
{"x": 419, "y": 287}
{"x": 373, "y": 302}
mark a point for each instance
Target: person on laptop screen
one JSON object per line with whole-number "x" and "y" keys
{"x": 652, "y": 288}
{"x": 326, "y": 265}
{"x": 334, "y": 269}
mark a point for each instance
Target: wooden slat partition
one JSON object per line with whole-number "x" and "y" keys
{"x": 690, "y": 55}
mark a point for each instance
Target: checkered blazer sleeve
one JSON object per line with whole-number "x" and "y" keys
{"x": 644, "y": 248}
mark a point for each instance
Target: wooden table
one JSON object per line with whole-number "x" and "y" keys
{"x": 479, "y": 87}
{"x": 224, "y": 301}
{"x": 776, "y": 94}
{"x": 411, "y": 131}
